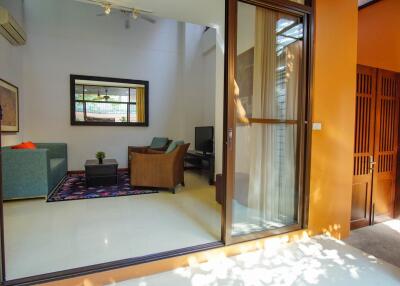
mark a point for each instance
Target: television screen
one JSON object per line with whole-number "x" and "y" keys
{"x": 204, "y": 137}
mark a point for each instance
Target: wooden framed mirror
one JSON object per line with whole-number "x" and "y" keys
{"x": 103, "y": 101}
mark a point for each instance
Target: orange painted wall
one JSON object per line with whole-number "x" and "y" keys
{"x": 379, "y": 35}
{"x": 335, "y": 58}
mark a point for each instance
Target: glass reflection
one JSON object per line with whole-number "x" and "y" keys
{"x": 268, "y": 72}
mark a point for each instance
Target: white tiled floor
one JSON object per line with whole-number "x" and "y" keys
{"x": 45, "y": 237}
{"x": 319, "y": 261}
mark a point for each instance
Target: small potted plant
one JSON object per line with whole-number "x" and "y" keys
{"x": 100, "y": 156}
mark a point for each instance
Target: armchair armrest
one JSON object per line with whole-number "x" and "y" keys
{"x": 154, "y": 151}
{"x": 154, "y": 161}
{"x": 161, "y": 149}
{"x": 152, "y": 170}
{"x": 138, "y": 149}
{"x": 26, "y": 173}
{"x": 56, "y": 150}
{"x": 135, "y": 149}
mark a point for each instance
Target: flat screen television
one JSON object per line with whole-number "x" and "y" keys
{"x": 204, "y": 139}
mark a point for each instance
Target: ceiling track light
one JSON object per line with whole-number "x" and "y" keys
{"x": 107, "y": 9}
{"x": 135, "y": 14}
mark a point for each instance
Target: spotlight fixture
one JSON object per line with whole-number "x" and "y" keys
{"x": 135, "y": 14}
{"x": 131, "y": 13}
{"x": 107, "y": 9}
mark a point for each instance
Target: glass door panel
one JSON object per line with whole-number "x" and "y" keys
{"x": 268, "y": 104}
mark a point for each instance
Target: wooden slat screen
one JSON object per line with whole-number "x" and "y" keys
{"x": 375, "y": 145}
{"x": 363, "y": 149}
{"x": 387, "y": 120}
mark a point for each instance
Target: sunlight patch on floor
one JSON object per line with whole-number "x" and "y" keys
{"x": 309, "y": 261}
{"x": 393, "y": 224}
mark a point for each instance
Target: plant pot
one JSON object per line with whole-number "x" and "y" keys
{"x": 100, "y": 161}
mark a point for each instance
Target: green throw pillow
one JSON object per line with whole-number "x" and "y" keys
{"x": 158, "y": 142}
{"x": 173, "y": 146}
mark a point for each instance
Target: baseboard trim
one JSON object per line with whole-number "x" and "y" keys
{"x": 77, "y": 172}
{"x": 26, "y": 198}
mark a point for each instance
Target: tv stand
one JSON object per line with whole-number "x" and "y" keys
{"x": 201, "y": 161}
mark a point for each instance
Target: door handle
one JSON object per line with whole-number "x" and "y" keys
{"x": 372, "y": 164}
{"x": 373, "y": 214}
{"x": 230, "y": 138}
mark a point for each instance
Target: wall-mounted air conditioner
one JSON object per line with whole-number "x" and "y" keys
{"x": 10, "y": 29}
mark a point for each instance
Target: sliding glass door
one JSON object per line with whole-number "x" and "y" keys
{"x": 267, "y": 122}
{"x": 2, "y": 254}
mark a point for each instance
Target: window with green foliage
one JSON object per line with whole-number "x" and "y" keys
{"x": 105, "y": 101}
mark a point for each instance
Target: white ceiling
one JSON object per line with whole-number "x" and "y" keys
{"x": 203, "y": 12}
{"x": 362, "y": 2}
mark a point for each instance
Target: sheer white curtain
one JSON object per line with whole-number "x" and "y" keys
{"x": 263, "y": 176}
{"x": 288, "y": 204}
{"x": 273, "y": 146}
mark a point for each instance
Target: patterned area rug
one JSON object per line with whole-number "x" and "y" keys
{"x": 74, "y": 188}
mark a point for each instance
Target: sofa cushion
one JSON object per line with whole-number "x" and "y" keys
{"x": 158, "y": 142}
{"x": 173, "y": 146}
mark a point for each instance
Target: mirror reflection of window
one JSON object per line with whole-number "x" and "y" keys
{"x": 109, "y": 102}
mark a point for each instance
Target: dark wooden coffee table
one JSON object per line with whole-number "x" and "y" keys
{"x": 105, "y": 174}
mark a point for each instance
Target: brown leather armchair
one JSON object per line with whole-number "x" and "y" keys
{"x": 158, "y": 169}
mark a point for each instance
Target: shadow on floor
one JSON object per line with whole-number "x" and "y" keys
{"x": 381, "y": 240}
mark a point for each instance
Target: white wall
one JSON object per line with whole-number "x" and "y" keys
{"x": 208, "y": 13}
{"x": 209, "y": 53}
{"x": 11, "y": 67}
{"x": 246, "y": 40}
{"x": 204, "y": 12}
{"x": 246, "y": 27}
{"x": 198, "y": 80}
{"x": 219, "y": 95}
{"x": 66, "y": 37}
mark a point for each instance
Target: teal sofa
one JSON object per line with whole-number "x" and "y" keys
{"x": 33, "y": 173}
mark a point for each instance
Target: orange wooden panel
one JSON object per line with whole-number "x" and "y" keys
{"x": 363, "y": 146}
{"x": 386, "y": 138}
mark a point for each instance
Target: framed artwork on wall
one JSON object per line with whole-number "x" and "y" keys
{"x": 10, "y": 107}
